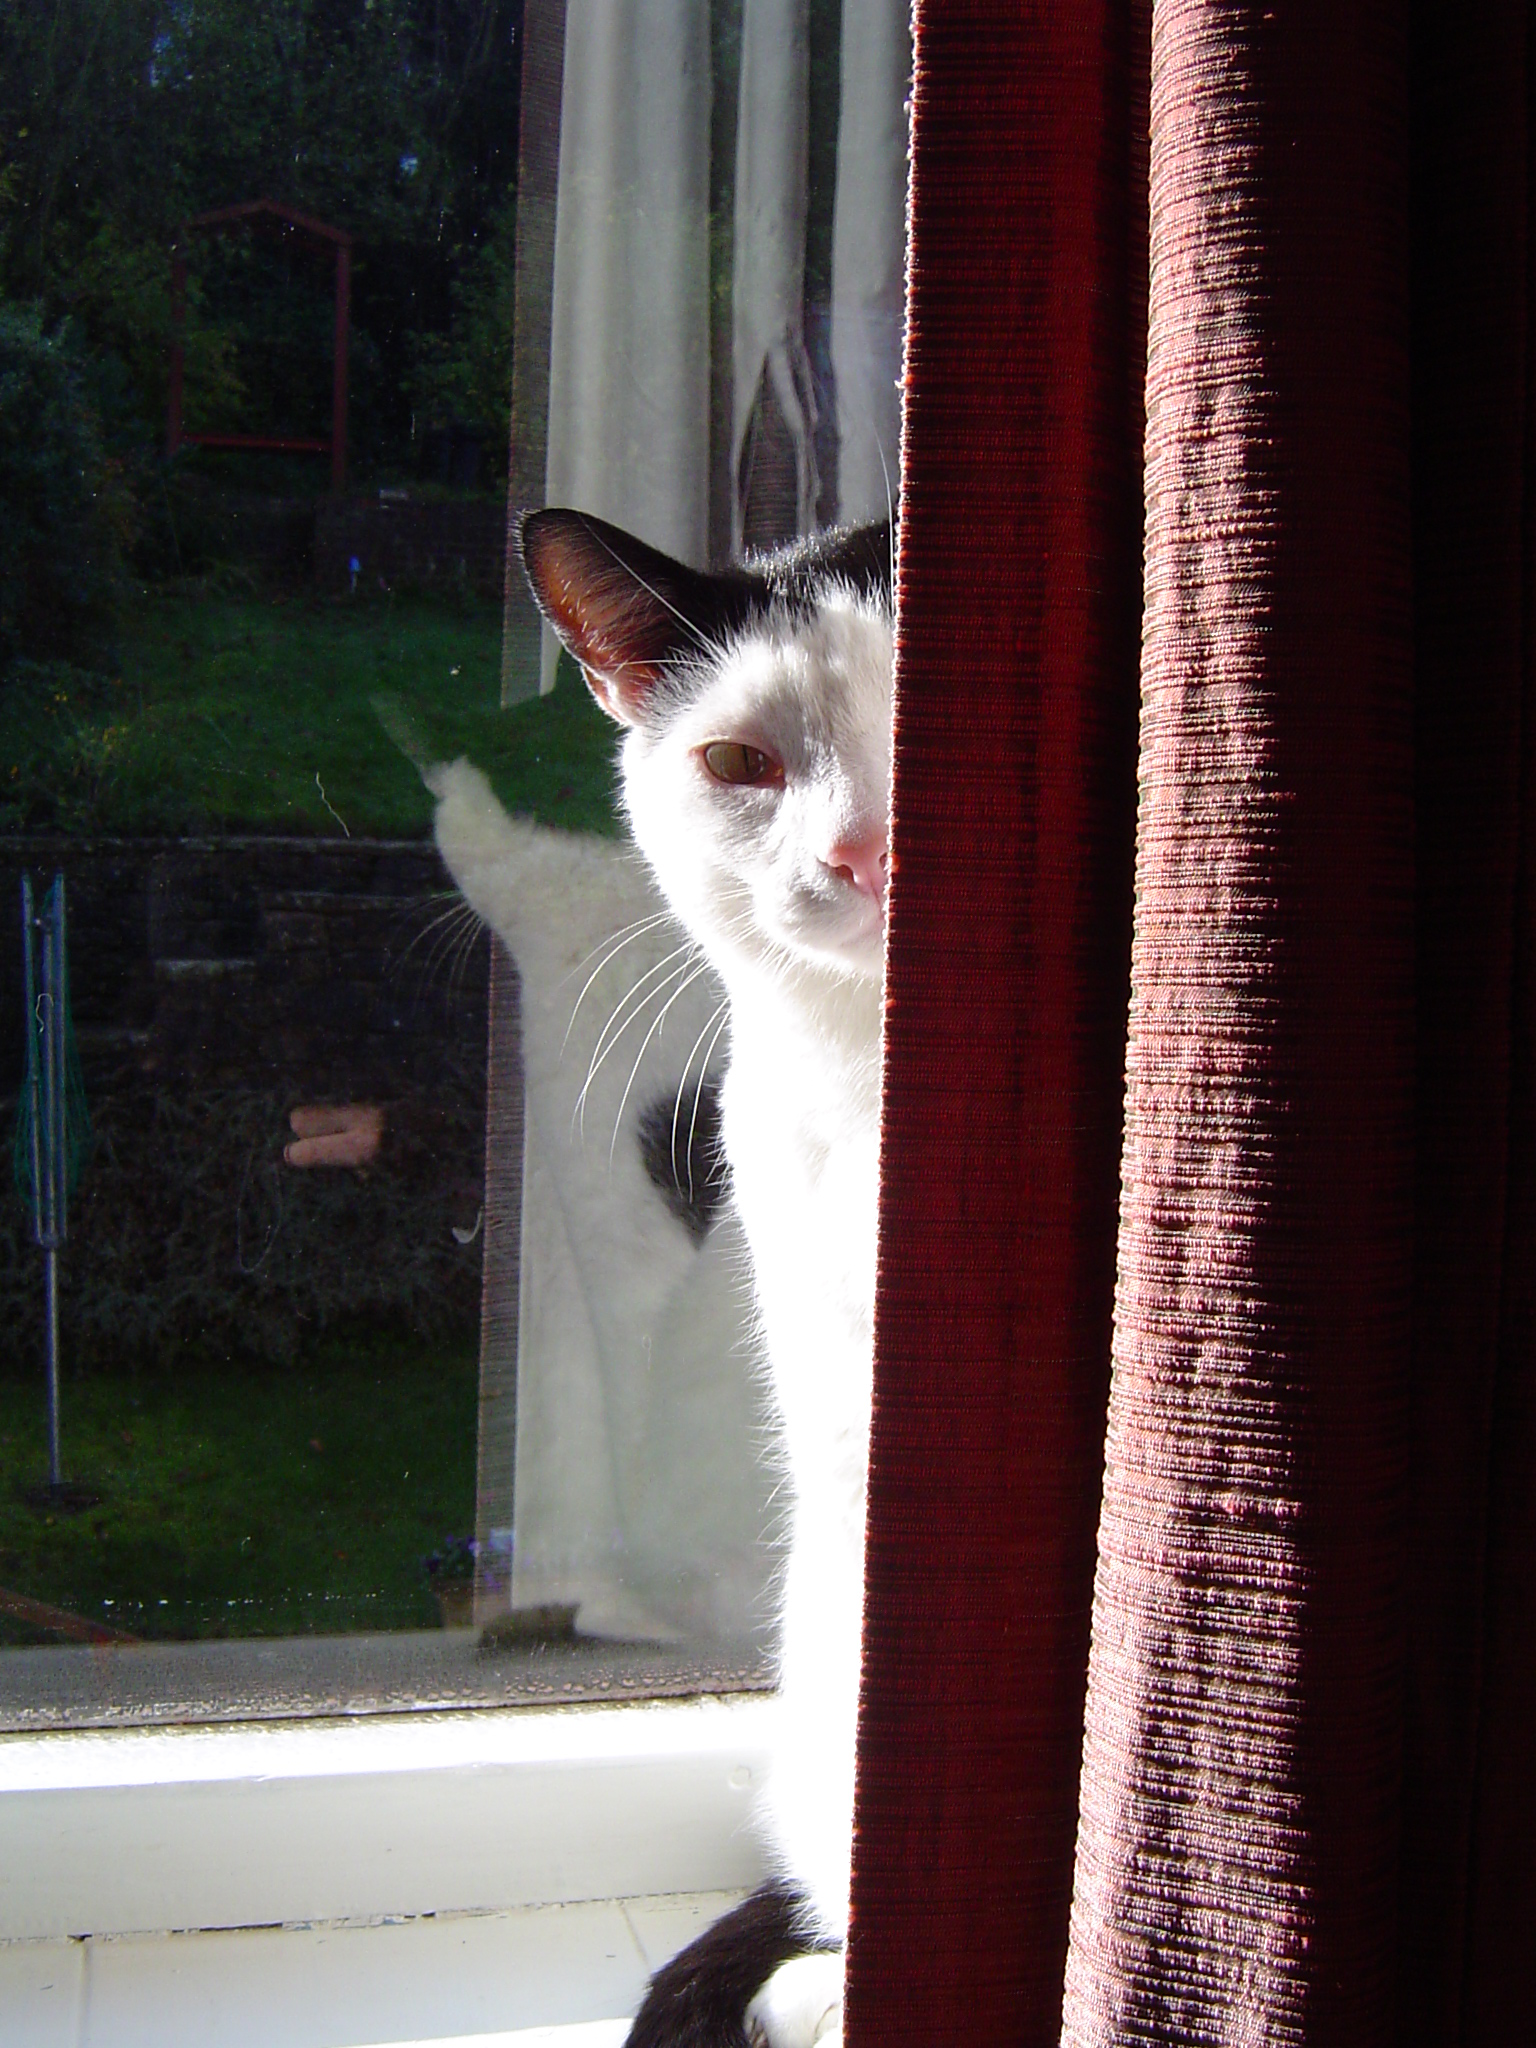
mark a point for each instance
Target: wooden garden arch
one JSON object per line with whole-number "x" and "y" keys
{"x": 283, "y": 219}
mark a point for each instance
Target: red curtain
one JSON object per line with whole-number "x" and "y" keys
{"x": 1304, "y": 1709}
{"x": 1013, "y": 812}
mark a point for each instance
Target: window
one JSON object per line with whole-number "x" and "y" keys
{"x": 356, "y": 1406}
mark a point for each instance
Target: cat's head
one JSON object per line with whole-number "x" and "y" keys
{"x": 757, "y": 759}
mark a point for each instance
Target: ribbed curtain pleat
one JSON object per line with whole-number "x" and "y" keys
{"x": 1307, "y": 1801}
{"x": 1019, "y": 588}
{"x": 1237, "y": 1858}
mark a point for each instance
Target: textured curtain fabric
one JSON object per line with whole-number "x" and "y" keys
{"x": 1013, "y": 809}
{"x": 1237, "y": 1855}
{"x": 1304, "y": 1712}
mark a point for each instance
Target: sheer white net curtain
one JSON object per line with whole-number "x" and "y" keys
{"x": 640, "y": 1494}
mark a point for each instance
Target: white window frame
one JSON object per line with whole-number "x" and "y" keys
{"x": 257, "y": 1825}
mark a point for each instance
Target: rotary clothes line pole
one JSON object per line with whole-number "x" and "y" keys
{"x": 53, "y": 1129}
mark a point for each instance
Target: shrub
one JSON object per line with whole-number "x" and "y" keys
{"x": 466, "y": 375}
{"x": 59, "y": 774}
{"x": 119, "y": 290}
{"x": 61, "y": 506}
{"x": 190, "y": 1240}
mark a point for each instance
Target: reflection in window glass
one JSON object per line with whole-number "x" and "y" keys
{"x": 401, "y": 1319}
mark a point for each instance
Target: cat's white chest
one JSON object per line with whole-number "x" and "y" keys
{"x": 802, "y": 1132}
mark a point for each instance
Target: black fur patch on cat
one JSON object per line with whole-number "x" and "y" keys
{"x": 682, "y": 1152}
{"x": 700, "y": 1998}
{"x": 639, "y": 622}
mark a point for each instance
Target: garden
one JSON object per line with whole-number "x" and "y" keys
{"x": 242, "y": 1500}
{"x": 269, "y": 1387}
{"x": 229, "y": 707}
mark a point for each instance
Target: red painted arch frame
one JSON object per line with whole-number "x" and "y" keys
{"x": 224, "y": 220}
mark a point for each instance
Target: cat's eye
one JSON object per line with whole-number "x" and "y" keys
{"x": 731, "y": 761}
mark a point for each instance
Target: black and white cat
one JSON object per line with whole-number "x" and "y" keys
{"x": 756, "y": 776}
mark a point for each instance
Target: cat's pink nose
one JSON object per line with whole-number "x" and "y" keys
{"x": 862, "y": 862}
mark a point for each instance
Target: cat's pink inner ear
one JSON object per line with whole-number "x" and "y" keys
{"x": 612, "y": 699}
{"x": 617, "y": 628}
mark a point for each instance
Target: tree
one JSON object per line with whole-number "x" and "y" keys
{"x": 396, "y": 119}
{"x": 58, "y": 539}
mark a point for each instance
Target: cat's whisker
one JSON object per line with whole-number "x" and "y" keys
{"x": 615, "y": 947}
{"x": 605, "y": 955}
{"x": 704, "y": 1068}
{"x": 448, "y": 918}
{"x": 890, "y": 514}
{"x": 586, "y": 989}
{"x": 693, "y": 1121}
{"x": 462, "y": 953}
{"x": 451, "y": 931}
{"x": 622, "y": 1015}
{"x": 617, "y": 1028}
{"x": 613, "y": 1031}
{"x": 596, "y": 1065}
{"x": 682, "y": 1085}
{"x": 656, "y": 1026}
{"x": 439, "y": 900}
{"x": 446, "y": 934}
{"x": 677, "y": 1105}
{"x": 453, "y": 907}
{"x": 619, "y": 938}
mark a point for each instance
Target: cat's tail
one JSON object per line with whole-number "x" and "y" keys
{"x": 404, "y": 731}
{"x": 700, "y": 1998}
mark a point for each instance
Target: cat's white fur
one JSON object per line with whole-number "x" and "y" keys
{"x": 801, "y": 2004}
{"x": 639, "y": 1489}
{"x": 756, "y": 874}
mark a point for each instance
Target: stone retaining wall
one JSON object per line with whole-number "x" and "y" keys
{"x": 315, "y": 964}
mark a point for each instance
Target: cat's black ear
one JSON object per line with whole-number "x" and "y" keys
{"x": 623, "y": 609}
{"x": 863, "y": 557}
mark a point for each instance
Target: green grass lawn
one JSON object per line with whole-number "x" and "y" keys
{"x": 242, "y": 1501}
{"x": 234, "y": 713}
{"x": 245, "y": 1499}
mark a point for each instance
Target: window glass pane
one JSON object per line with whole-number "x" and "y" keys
{"x": 376, "y": 1328}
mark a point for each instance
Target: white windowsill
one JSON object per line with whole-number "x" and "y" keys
{"x": 500, "y": 1870}
{"x": 543, "y": 1977}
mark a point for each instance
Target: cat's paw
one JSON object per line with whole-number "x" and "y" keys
{"x": 458, "y": 780}
{"x": 479, "y": 842}
{"x": 800, "y": 2005}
